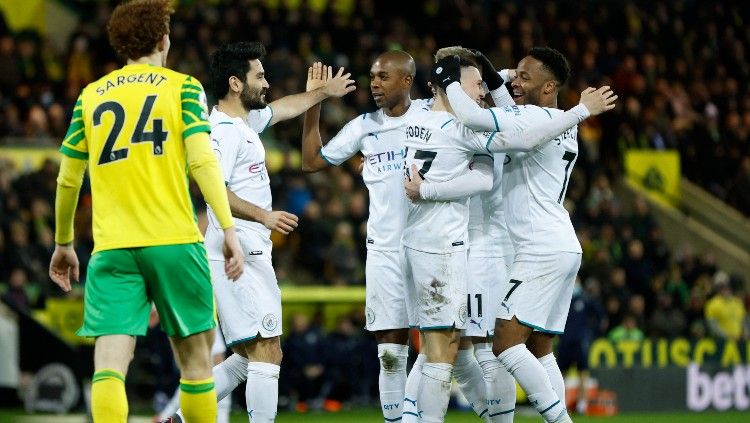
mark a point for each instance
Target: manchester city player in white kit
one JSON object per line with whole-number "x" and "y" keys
{"x": 436, "y": 231}
{"x": 250, "y": 309}
{"x": 485, "y": 383}
{"x": 535, "y": 305}
{"x": 378, "y": 136}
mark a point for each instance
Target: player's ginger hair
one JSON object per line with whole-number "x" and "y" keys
{"x": 137, "y": 26}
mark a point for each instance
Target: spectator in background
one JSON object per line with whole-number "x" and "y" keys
{"x": 17, "y": 295}
{"x": 725, "y": 313}
{"x": 667, "y": 321}
{"x": 303, "y": 376}
{"x": 627, "y": 331}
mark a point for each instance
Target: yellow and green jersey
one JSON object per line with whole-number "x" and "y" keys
{"x": 131, "y": 126}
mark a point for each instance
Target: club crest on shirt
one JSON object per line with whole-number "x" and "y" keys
{"x": 370, "y": 315}
{"x": 270, "y": 321}
{"x": 463, "y": 313}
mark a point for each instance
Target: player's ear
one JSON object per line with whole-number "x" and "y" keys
{"x": 550, "y": 86}
{"x": 235, "y": 85}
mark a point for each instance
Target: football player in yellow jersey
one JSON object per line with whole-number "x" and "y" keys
{"x": 141, "y": 129}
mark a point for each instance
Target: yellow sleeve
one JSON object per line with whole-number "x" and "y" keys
{"x": 710, "y": 310}
{"x": 205, "y": 170}
{"x": 69, "y": 182}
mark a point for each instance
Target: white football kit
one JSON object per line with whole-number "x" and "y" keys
{"x": 548, "y": 254}
{"x": 250, "y": 306}
{"x": 380, "y": 139}
{"x": 490, "y": 255}
{"x": 436, "y": 234}
{"x": 547, "y": 250}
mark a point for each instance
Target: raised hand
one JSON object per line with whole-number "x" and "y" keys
{"x": 489, "y": 74}
{"x": 280, "y": 221}
{"x": 412, "y": 182}
{"x": 598, "y": 101}
{"x": 63, "y": 265}
{"x": 316, "y": 76}
{"x": 339, "y": 85}
{"x": 446, "y": 71}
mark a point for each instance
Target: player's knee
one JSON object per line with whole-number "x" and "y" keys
{"x": 393, "y": 357}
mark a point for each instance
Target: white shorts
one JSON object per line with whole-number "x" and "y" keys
{"x": 387, "y": 293}
{"x": 539, "y": 290}
{"x": 250, "y": 306}
{"x": 487, "y": 278}
{"x": 439, "y": 282}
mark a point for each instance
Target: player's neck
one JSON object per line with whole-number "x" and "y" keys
{"x": 153, "y": 59}
{"x": 232, "y": 108}
{"x": 441, "y": 104}
{"x": 399, "y": 109}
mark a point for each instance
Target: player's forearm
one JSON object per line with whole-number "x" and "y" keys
{"x": 535, "y": 135}
{"x": 293, "y": 105}
{"x": 469, "y": 112}
{"x": 502, "y": 97}
{"x": 245, "y": 210}
{"x": 205, "y": 170}
{"x": 477, "y": 180}
{"x": 69, "y": 182}
{"x": 312, "y": 161}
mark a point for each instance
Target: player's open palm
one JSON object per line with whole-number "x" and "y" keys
{"x": 280, "y": 221}
{"x": 598, "y": 101}
{"x": 62, "y": 266}
{"x": 234, "y": 258}
{"x": 412, "y": 182}
{"x": 316, "y": 76}
{"x": 339, "y": 85}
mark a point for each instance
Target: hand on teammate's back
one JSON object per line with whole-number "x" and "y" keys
{"x": 489, "y": 74}
{"x": 446, "y": 71}
{"x": 63, "y": 265}
{"x": 412, "y": 182}
{"x": 280, "y": 221}
{"x": 598, "y": 101}
{"x": 234, "y": 258}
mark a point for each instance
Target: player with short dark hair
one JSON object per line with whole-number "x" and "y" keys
{"x": 547, "y": 252}
{"x": 142, "y": 129}
{"x": 249, "y": 309}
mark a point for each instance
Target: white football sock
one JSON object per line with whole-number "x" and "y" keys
{"x": 411, "y": 411}
{"x": 227, "y": 376}
{"x": 532, "y": 377}
{"x": 262, "y": 391}
{"x": 501, "y": 386}
{"x": 434, "y": 392}
{"x": 225, "y": 409}
{"x": 392, "y": 379}
{"x": 470, "y": 381}
{"x": 555, "y": 375}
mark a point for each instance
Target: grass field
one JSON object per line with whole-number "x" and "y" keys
{"x": 367, "y": 416}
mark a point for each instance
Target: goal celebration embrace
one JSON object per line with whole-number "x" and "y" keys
{"x": 425, "y": 212}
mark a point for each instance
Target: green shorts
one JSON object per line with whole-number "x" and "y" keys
{"x": 122, "y": 283}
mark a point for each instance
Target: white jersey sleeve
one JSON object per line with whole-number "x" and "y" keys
{"x": 259, "y": 120}
{"x": 476, "y": 180}
{"x": 345, "y": 144}
{"x": 517, "y": 128}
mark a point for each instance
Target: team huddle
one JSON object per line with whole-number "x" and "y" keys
{"x": 467, "y": 236}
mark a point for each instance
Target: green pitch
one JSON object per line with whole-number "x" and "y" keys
{"x": 367, "y": 416}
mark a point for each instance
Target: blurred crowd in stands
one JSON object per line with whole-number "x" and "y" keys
{"x": 679, "y": 67}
